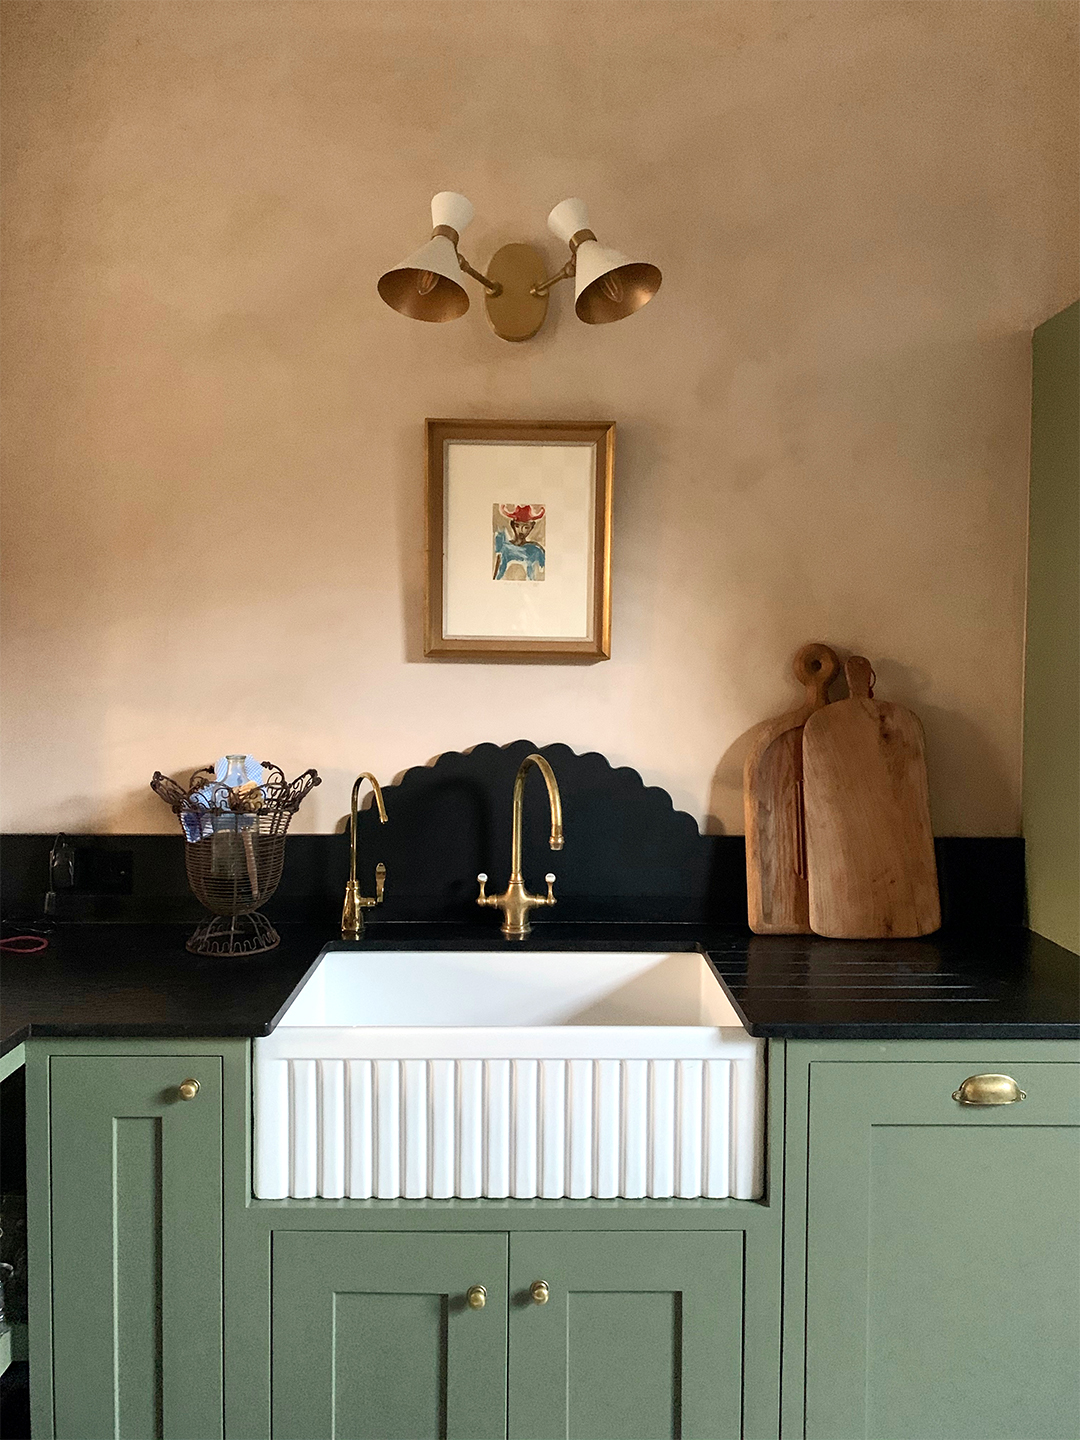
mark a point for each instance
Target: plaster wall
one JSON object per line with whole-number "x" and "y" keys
{"x": 213, "y": 497}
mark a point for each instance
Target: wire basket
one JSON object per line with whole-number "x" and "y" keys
{"x": 235, "y": 851}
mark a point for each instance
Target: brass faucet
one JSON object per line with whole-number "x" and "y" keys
{"x": 517, "y": 902}
{"x": 352, "y": 915}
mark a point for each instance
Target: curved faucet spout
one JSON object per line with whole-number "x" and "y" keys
{"x": 555, "y": 840}
{"x": 377, "y": 790}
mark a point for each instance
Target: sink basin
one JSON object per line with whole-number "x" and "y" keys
{"x": 532, "y": 1075}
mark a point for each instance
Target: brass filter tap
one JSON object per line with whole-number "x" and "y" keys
{"x": 352, "y": 914}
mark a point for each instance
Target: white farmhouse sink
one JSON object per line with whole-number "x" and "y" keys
{"x": 500, "y": 1074}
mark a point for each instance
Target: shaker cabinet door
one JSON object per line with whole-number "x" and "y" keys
{"x": 943, "y": 1269}
{"x": 374, "y": 1338}
{"x": 136, "y": 1248}
{"x": 640, "y": 1337}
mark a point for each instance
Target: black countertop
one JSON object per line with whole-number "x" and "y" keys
{"x": 138, "y": 980}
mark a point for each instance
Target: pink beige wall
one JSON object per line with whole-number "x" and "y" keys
{"x": 213, "y": 518}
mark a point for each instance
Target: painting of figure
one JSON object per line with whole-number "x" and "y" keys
{"x": 519, "y": 533}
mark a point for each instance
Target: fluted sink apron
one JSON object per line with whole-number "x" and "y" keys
{"x": 526, "y": 1075}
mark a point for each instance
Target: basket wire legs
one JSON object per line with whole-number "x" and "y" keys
{"x": 248, "y": 934}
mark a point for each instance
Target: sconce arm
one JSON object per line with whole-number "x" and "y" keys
{"x": 566, "y": 273}
{"x": 491, "y": 286}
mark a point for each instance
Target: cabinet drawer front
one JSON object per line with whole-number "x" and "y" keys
{"x": 640, "y": 1338}
{"x": 136, "y": 1241}
{"x": 373, "y": 1338}
{"x": 943, "y": 1275}
{"x": 922, "y": 1091}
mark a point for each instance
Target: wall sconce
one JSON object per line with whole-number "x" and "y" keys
{"x": 607, "y": 285}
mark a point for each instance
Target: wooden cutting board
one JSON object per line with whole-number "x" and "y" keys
{"x": 776, "y": 889}
{"x": 869, "y": 845}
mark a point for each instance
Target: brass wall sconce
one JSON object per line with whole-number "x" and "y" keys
{"x": 607, "y": 285}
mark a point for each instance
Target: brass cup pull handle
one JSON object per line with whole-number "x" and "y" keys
{"x": 476, "y": 1297}
{"x": 540, "y": 1292}
{"x": 989, "y": 1090}
{"x": 188, "y": 1089}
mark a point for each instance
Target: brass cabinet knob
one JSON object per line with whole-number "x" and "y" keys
{"x": 188, "y": 1089}
{"x": 540, "y": 1292}
{"x": 989, "y": 1090}
{"x": 476, "y": 1297}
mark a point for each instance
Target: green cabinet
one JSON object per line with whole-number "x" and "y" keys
{"x": 640, "y": 1338}
{"x": 374, "y": 1338}
{"x": 942, "y": 1251}
{"x": 930, "y": 1279}
{"x": 135, "y": 1216}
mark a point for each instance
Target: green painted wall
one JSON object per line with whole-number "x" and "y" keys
{"x": 1052, "y": 667}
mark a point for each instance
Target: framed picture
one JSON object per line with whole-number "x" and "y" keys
{"x": 519, "y": 538}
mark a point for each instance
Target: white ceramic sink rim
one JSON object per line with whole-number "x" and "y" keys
{"x": 539, "y": 1003}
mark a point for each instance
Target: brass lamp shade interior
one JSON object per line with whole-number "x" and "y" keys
{"x": 617, "y": 293}
{"x": 423, "y": 295}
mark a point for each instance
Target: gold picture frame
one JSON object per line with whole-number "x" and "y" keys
{"x": 538, "y": 510}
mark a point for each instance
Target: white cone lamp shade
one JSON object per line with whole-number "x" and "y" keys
{"x": 607, "y": 284}
{"x": 427, "y": 286}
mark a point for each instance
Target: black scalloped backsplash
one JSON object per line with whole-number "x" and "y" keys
{"x": 629, "y": 855}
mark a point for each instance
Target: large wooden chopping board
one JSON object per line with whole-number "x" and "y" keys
{"x": 776, "y": 889}
{"x": 869, "y": 845}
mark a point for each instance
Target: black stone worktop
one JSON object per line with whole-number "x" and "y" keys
{"x": 114, "y": 980}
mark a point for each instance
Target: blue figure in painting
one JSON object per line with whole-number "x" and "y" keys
{"x": 513, "y": 525}
{"x": 529, "y": 555}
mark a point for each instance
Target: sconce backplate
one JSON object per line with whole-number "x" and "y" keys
{"x": 515, "y": 314}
